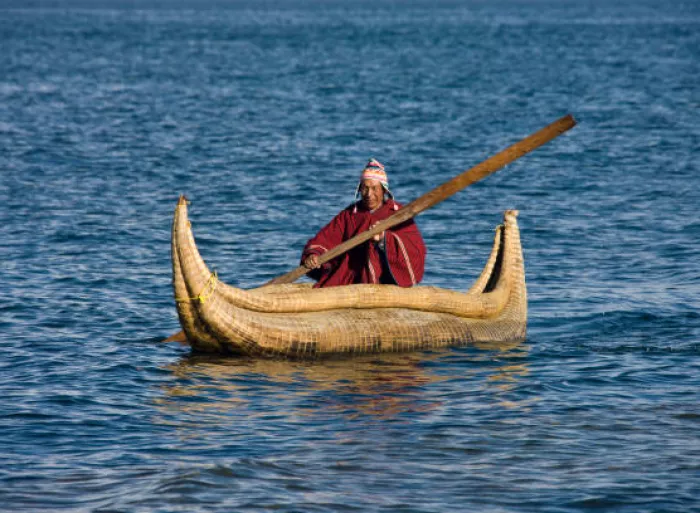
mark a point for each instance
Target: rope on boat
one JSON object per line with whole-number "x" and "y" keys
{"x": 202, "y": 297}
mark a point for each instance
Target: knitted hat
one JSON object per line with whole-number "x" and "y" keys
{"x": 374, "y": 170}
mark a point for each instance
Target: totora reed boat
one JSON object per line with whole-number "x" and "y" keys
{"x": 298, "y": 321}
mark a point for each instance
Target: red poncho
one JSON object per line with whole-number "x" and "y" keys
{"x": 401, "y": 263}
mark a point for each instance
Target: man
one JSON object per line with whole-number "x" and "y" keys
{"x": 396, "y": 256}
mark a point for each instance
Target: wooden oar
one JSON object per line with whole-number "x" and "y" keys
{"x": 441, "y": 193}
{"x": 432, "y": 198}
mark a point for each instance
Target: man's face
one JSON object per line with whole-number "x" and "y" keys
{"x": 372, "y": 194}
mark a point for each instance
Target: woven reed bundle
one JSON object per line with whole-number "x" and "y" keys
{"x": 299, "y": 321}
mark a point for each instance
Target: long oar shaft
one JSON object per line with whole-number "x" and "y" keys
{"x": 442, "y": 192}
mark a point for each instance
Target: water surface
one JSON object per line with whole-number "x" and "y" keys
{"x": 263, "y": 115}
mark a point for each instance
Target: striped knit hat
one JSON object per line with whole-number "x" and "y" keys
{"x": 374, "y": 170}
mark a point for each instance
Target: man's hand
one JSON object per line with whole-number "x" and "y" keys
{"x": 380, "y": 236}
{"x": 311, "y": 262}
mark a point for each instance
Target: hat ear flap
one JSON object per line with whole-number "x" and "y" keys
{"x": 391, "y": 196}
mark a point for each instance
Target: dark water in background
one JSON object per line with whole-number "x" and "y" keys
{"x": 263, "y": 114}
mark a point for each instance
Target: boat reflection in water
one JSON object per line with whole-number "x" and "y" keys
{"x": 215, "y": 389}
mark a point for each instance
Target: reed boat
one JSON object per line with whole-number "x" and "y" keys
{"x": 298, "y": 321}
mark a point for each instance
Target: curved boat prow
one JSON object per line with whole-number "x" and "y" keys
{"x": 193, "y": 326}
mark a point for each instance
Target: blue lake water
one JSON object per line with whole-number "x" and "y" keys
{"x": 263, "y": 114}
